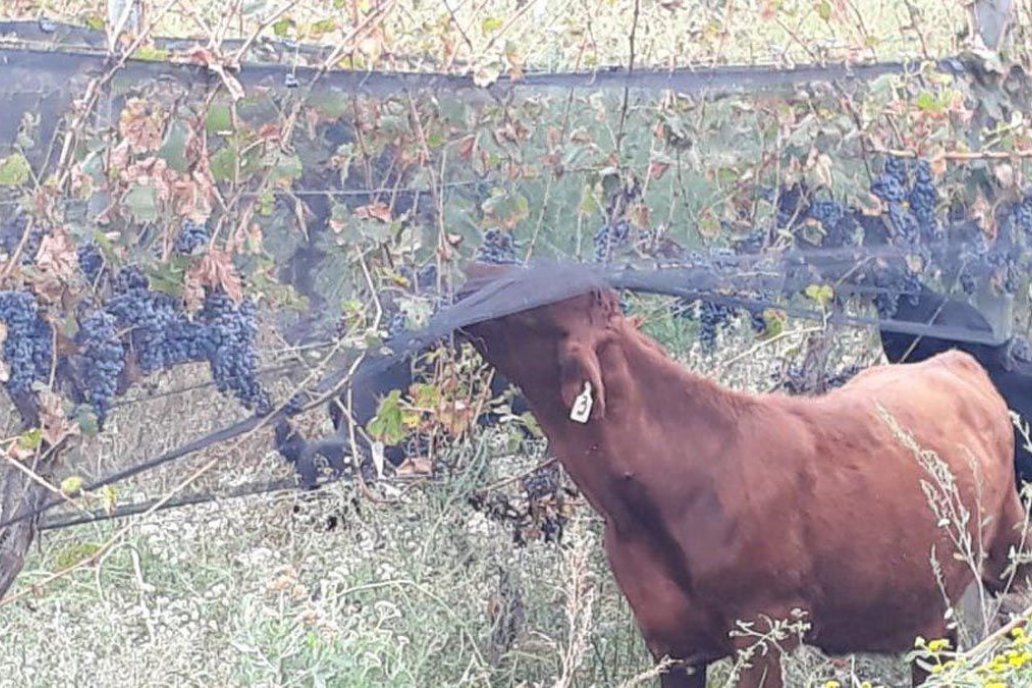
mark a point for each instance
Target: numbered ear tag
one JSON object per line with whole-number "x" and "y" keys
{"x": 581, "y": 409}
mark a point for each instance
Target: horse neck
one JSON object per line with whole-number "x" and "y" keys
{"x": 662, "y": 420}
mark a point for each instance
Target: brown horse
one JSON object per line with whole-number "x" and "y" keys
{"x": 723, "y": 506}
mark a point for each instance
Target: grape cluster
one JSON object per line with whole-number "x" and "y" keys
{"x": 751, "y": 243}
{"x": 609, "y": 238}
{"x": 1022, "y": 213}
{"x": 191, "y": 235}
{"x": 90, "y": 259}
{"x": 888, "y": 188}
{"x": 28, "y": 348}
{"x": 789, "y": 203}
{"x": 104, "y": 356}
{"x": 12, "y": 230}
{"x": 905, "y": 223}
{"x": 836, "y": 222}
{"x": 229, "y": 338}
{"x": 828, "y": 213}
{"x": 923, "y": 199}
{"x": 31, "y": 247}
{"x": 712, "y": 317}
{"x": 968, "y": 283}
{"x": 162, "y": 336}
{"x": 896, "y": 168}
{"x": 159, "y": 335}
{"x": 498, "y": 248}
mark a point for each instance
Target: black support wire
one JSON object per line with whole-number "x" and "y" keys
{"x": 21, "y": 54}
{"x": 191, "y": 499}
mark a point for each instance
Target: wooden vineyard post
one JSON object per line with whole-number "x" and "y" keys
{"x": 990, "y": 20}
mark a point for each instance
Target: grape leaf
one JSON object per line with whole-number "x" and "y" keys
{"x": 14, "y": 170}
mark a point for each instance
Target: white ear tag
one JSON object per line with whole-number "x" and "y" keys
{"x": 581, "y": 410}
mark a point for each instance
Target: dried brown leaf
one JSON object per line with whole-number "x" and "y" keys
{"x": 657, "y": 169}
{"x": 193, "y": 292}
{"x": 57, "y": 256}
{"x": 56, "y": 425}
{"x": 216, "y": 269}
{"x": 415, "y": 466}
{"x": 466, "y": 146}
{"x": 377, "y": 211}
{"x": 141, "y": 125}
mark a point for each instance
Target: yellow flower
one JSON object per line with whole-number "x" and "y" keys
{"x": 938, "y": 645}
{"x": 832, "y": 684}
{"x": 994, "y": 684}
{"x": 937, "y": 668}
{"x": 1017, "y": 632}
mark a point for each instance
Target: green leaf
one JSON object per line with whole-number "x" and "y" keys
{"x": 142, "y": 202}
{"x": 266, "y": 202}
{"x": 86, "y": 419}
{"x": 95, "y": 22}
{"x": 168, "y": 278}
{"x": 151, "y": 54}
{"x": 928, "y": 102}
{"x": 14, "y": 170}
{"x": 285, "y": 169}
{"x": 281, "y": 27}
{"x": 436, "y": 140}
{"x": 821, "y": 294}
{"x": 322, "y": 26}
{"x": 531, "y": 422}
{"x": 223, "y": 164}
{"x": 74, "y": 553}
{"x": 388, "y": 426}
{"x": 505, "y": 210}
{"x": 31, "y": 439}
{"x": 824, "y": 10}
{"x": 589, "y": 204}
{"x": 173, "y": 149}
{"x": 71, "y": 485}
{"x": 491, "y": 24}
{"x": 219, "y": 120}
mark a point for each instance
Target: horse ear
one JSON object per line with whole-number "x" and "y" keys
{"x": 604, "y": 305}
{"x": 579, "y": 364}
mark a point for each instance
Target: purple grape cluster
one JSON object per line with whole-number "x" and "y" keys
{"x": 162, "y": 336}
{"x": 191, "y": 235}
{"x": 229, "y": 337}
{"x": 905, "y": 223}
{"x": 28, "y": 348}
{"x": 498, "y": 248}
{"x": 1022, "y": 213}
{"x": 158, "y": 333}
{"x": 923, "y": 200}
{"x": 609, "y": 238}
{"x": 104, "y": 356}
{"x": 712, "y": 317}
{"x": 90, "y": 259}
